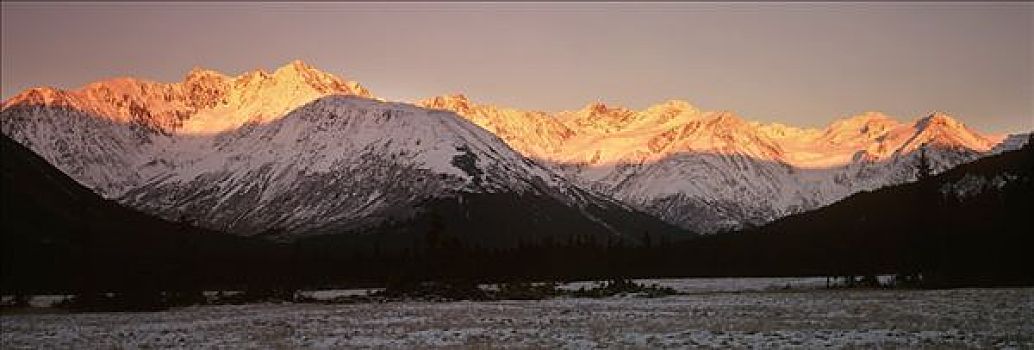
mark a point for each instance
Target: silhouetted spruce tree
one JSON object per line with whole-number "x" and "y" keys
{"x": 927, "y": 245}
{"x": 924, "y": 169}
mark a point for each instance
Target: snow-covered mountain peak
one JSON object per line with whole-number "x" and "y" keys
{"x": 597, "y": 117}
{"x": 297, "y": 67}
{"x": 867, "y": 116}
{"x": 299, "y": 74}
{"x": 455, "y": 102}
{"x": 597, "y": 107}
{"x": 205, "y": 102}
{"x": 204, "y": 88}
{"x": 726, "y": 120}
{"x": 38, "y": 96}
{"x": 456, "y": 97}
{"x": 939, "y": 120}
{"x": 600, "y": 109}
{"x": 859, "y": 130}
{"x": 858, "y": 123}
{"x": 724, "y": 132}
{"x": 672, "y": 106}
{"x": 783, "y": 131}
{"x": 535, "y": 134}
{"x": 199, "y": 73}
{"x": 258, "y": 96}
{"x": 942, "y": 131}
{"x": 669, "y": 110}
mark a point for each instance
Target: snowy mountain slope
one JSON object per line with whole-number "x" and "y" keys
{"x": 334, "y": 160}
{"x": 337, "y": 163}
{"x": 534, "y": 133}
{"x": 713, "y": 171}
{"x": 100, "y": 153}
{"x": 100, "y": 133}
{"x": 55, "y": 234}
{"x": 1012, "y": 142}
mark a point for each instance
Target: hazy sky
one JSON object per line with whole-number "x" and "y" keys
{"x": 802, "y": 64}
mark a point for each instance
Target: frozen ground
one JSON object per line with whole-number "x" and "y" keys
{"x": 718, "y": 316}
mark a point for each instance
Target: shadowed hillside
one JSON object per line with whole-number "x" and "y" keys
{"x": 58, "y": 235}
{"x": 967, "y": 226}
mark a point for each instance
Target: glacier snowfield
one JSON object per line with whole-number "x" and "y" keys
{"x": 725, "y": 313}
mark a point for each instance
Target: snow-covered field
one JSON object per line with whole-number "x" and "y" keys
{"x": 718, "y": 316}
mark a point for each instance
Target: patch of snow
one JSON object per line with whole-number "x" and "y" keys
{"x": 799, "y": 318}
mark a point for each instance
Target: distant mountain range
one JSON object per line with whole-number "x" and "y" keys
{"x": 298, "y": 152}
{"x": 713, "y": 171}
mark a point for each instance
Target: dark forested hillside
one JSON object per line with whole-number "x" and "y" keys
{"x": 970, "y": 225}
{"x": 966, "y": 226}
{"x": 59, "y": 235}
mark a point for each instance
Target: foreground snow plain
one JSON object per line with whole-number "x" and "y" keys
{"x": 717, "y": 313}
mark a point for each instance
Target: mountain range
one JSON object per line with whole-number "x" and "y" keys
{"x": 711, "y": 170}
{"x": 299, "y": 152}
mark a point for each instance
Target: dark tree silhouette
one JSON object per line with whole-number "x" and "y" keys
{"x": 924, "y": 169}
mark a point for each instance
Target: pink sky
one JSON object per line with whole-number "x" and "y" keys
{"x": 800, "y": 64}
